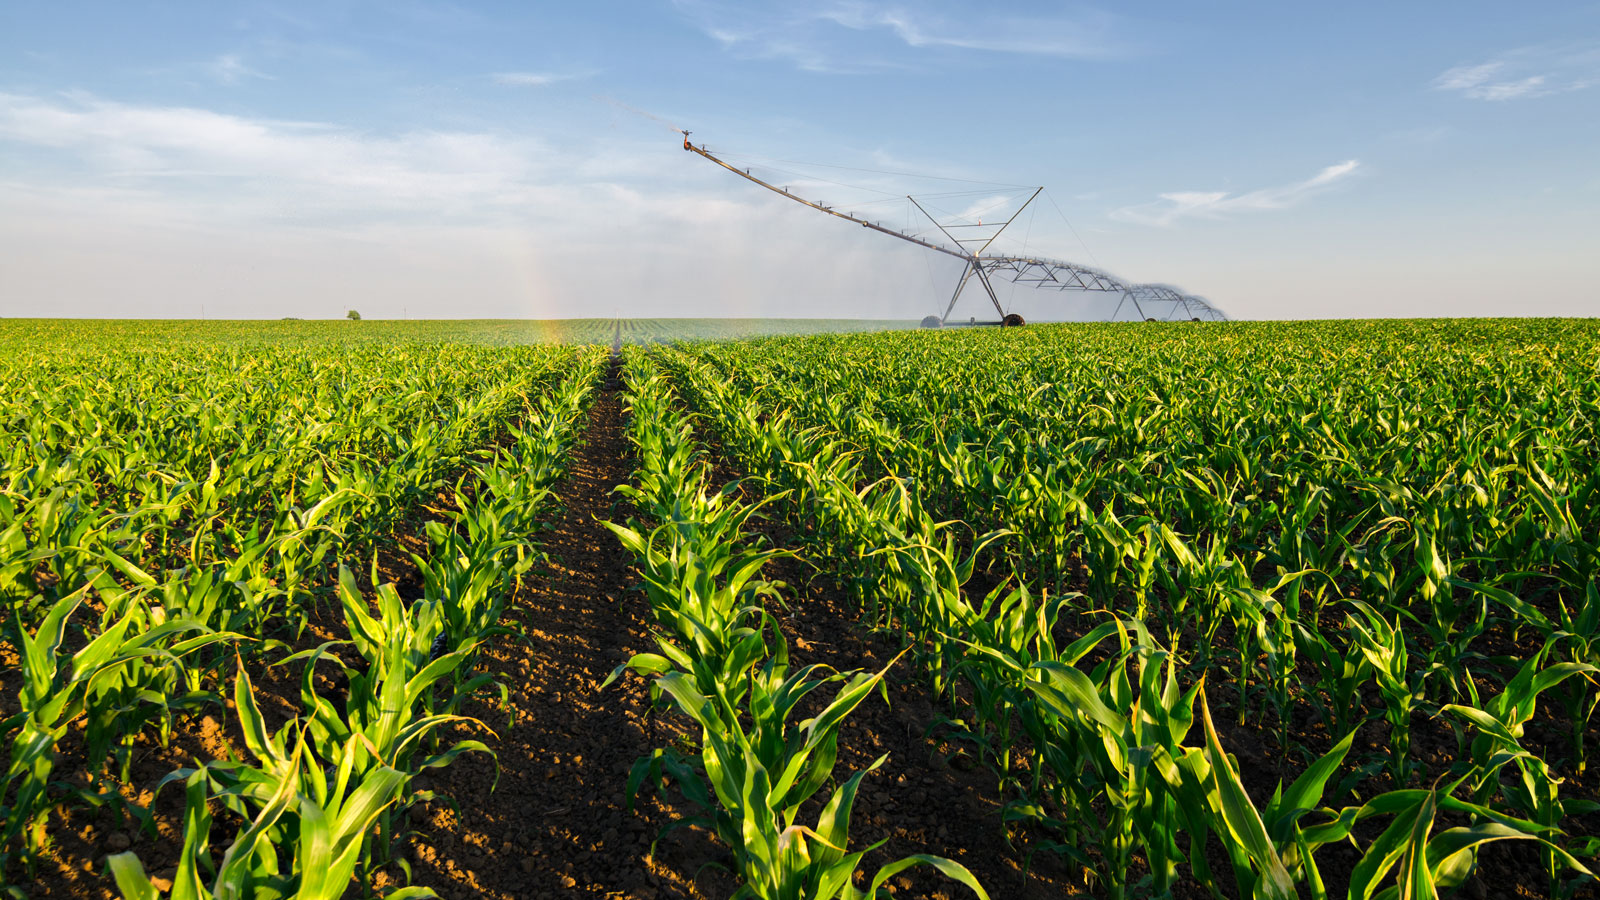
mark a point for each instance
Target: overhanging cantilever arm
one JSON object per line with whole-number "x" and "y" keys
{"x": 817, "y": 206}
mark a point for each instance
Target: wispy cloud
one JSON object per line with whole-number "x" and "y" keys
{"x": 230, "y": 68}
{"x": 856, "y": 37}
{"x": 184, "y": 166}
{"x": 534, "y": 79}
{"x": 1466, "y": 78}
{"x": 1083, "y": 37}
{"x": 1172, "y": 207}
{"x": 1525, "y": 73}
{"x": 174, "y": 149}
{"x": 494, "y": 220}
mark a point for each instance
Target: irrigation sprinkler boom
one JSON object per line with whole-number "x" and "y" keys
{"x": 1039, "y": 272}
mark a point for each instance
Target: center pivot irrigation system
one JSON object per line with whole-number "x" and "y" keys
{"x": 1146, "y": 300}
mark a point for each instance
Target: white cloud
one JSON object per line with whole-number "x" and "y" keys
{"x": 1085, "y": 37}
{"x": 1532, "y": 86}
{"x": 230, "y": 68}
{"x": 1172, "y": 207}
{"x": 857, "y": 37}
{"x": 531, "y": 79}
{"x": 112, "y": 208}
{"x": 1478, "y": 82}
{"x": 314, "y": 166}
{"x": 1525, "y": 73}
{"x": 1465, "y": 78}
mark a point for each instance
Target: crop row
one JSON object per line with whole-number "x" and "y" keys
{"x": 1336, "y": 544}
{"x": 201, "y": 507}
{"x": 724, "y": 664}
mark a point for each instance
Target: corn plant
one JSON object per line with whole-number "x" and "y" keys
{"x": 390, "y": 701}
{"x": 930, "y": 571}
{"x": 1580, "y": 639}
{"x": 1102, "y": 745}
{"x": 1423, "y": 863}
{"x": 1384, "y": 647}
{"x": 56, "y": 691}
{"x": 709, "y": 619}
{"x": 1340, "y": 672}
{"x": 1534, "y": 791}
{"x": 1269, "y": 848}
{"x": 725, "y": 665}
{"x": 1004, "y": 635}
{"x": 297, "y": 801}
{"x": 762, "y": 771}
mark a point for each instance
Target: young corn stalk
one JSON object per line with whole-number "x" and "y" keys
{"x": 1534, "y": 791}
{"x": 57, "y": 691}
{"x": 1580, "y": 637}
{"x": 762, "y": 768}
{"x": 1425, "y": 864}
{"x": 733, "y": 679}
{"x": 1110, "y": 734}
{"x": 301, "y": 800}
{"x": 1340, "y": 672}
{"x": 1384, "y": 647}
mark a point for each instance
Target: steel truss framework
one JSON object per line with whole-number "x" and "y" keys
{"x": 1146, "y": 301}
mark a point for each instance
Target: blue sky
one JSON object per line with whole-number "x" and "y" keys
{"x": 461, "y": 160}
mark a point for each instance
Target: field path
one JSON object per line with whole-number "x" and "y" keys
{"x": 556, "y": 824}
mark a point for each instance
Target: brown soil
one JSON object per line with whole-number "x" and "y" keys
{"x": 1513, "y": 866}
{"x": 555, "y": 823}
{"x": 931, "y": 796}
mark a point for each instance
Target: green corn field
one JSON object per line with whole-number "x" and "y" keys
{"x": 1169, "y": 610}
